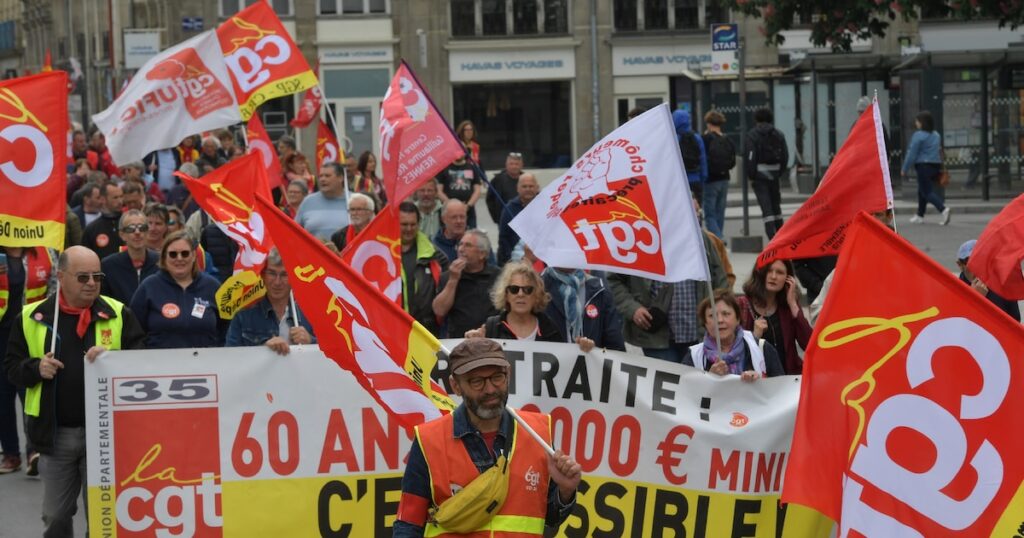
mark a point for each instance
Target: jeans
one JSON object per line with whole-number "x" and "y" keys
{"x": 714, "y": 206}
{"x": 769, "y": 197}
{"x": 64, "y": 478}
{"x": 927, "y": 174}
{"x": 9, "y": 416}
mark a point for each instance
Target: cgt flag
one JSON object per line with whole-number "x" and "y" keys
{"x": 259, "y": 142}
{"x": 624, "y": 206}
{"x": 327, "y": 148}
{"x": 909, "y": 419}
{"x": 179, "y": 92}
{"x": 376, "y": 253}
{"x": 33, "y": 159}
{"x": 263, "y": 60}
{"x": 857, "y": 180}
{"x": 228, "y": 194}
{"x": 389, "y": 353}
{"x": 309, "y": 109}
{"x": 999, "y": 253}
{"x": 415, "y": 140}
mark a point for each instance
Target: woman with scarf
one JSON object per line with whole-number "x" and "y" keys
{"x": 740, "y": 353}
{"x": 583, "y": 307}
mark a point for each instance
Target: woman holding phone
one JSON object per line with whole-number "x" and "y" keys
{"x": 770, "y": 308}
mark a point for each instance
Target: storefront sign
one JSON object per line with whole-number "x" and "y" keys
{"x": 140, "y": 46}
{"x": 357, "y": 54}
{"x": 494, "y": 66}
{"x": 241, "y": 442}
{"x": 660, "y": 60}
{"x": 725, "y": 42}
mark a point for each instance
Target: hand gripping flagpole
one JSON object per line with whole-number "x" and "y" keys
{"x": 533, "y": 433}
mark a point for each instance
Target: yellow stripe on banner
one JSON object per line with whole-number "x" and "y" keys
{"x": 102, "y": 502}
{"x": 276, "y": 88}
{"x": 18, "y": 231}
{"x": 1012, "y": 521}
{"x": 322, "y": 506}
{"x": 420, "y": 361}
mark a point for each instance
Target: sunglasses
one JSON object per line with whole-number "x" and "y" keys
{"x": 84, "y": 278}
{"x": 175, "y": 254}
{"x": 132, "y": 228}
{"x": 515, "y": 155}
{"x": 514, "y": 290}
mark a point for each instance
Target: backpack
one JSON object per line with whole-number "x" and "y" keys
{"x": 721, "y": 154}
{"x": 690, "y": 149}
{"x": 771, "y": 148}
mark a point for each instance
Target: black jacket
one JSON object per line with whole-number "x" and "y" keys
{"x": 601, "y": 320}
{"x": 547, "y": 331}
{"x": 123, "y": 278}
{"x": 502, "y": 190}
{"x": 63, "y": 398}
{"x": 102, "y": 237}
{"x": 420, "y": 288}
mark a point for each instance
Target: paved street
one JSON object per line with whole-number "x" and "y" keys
{"x": 20, "y": 496}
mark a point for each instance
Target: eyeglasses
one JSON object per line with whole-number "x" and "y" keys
{"x": 514, "y": 290}
{"x": 515, "y": 155}
{"x": 273, "y": 275}
{"x": 175, "y": 254}
{"x": 132, "y": 228}
{"x": 497, "y": 379}
{"x": 84, "y": 278}
{"x": 351, "y": 209}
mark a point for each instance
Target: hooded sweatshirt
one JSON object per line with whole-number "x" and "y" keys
{"x": 681, "y": 119}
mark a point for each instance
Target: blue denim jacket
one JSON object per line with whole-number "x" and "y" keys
{"x": 924, "y": 147}
{"x": 258, "y": 323}
{"x": 417, "y": 478}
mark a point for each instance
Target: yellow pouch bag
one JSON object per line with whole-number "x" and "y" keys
{"x": 477, "y": 503}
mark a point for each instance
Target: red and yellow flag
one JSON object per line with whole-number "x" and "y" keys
{"x": 998, "y": 256}
{"x": 376, "y": 253}
{"x": 228, "y": 195}
{"x": 857, "y": 180}
{"x": 33, "y": 160}
{"x": 309, "y": 108}
{"x": 909, "y": 419}
{"x": 259, "y": 142}
{"x": 390, "y": 354}
{"x": 262, "y": 58}
{"x": 327, "y": 148}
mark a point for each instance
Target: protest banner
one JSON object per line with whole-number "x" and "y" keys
{"x": 33, "y": 154}
{"x": 909, "y": 419}
{"x": 241, "y": 442}
{"x": 309, "y": 108}
{"x": 624, "y": 206}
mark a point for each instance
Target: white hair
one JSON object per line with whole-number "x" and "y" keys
{"x": 360, "y": 196}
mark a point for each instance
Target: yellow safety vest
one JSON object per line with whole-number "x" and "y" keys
{"x": 108, "y": 335}
{"x": 38, "y": 267}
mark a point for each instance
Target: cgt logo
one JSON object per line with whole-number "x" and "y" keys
{"x": 188, "y": 79}
{"x": 247, "y": 63}
{"x": 25, "y": 168}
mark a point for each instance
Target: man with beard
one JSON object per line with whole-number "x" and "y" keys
{"x": 270, "y": 321}
{"x": 482, "y": 429}
{"x": 360, "y": 213}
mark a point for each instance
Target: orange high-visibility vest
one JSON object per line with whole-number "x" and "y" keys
{"x": 38, "y": 268}
{"x": 449, "y": 464}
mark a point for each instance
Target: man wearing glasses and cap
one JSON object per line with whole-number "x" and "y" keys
{"x": 88, "y": 324}
{"x": 451, "y": 452}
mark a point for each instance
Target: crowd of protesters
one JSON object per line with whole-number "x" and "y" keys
{"x": 158, "y": 260}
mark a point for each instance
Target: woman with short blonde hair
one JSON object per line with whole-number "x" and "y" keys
{"x": 520, "y": 296}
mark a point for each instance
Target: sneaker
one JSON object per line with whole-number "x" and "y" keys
{"x": 916, "y": 219}
{"x": 945, "y": 216}
{"x": 10, "y": 464}
{"x": 32, "y": 469}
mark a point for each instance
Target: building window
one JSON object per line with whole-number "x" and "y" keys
{"x": 230, "y": 7}
{"x": 473, "y": 18}
{"x": 354, "y": 7}
{"x": 639, "y": 15}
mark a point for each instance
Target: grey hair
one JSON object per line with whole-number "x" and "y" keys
{"x": 484, "y": 242}
{"x": 274, "y": 257}
{"x": 360, "y": 196}
{"x": 127, "y": 214}
{"x": 189, "y": 169}
{"x": 300, "y": 184}
{"x": 212, "y": 139}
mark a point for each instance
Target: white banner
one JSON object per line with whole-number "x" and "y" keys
{"x": 182, "y": 91}
{"x": 624, "y": 206}
{"x": 241, "y": 442}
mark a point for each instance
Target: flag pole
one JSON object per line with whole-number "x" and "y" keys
{"x": 519, "y": 419}
{"x": 337, "y": 135}
{"x": 295, "y": 311}
{"x": 56, "y": 316}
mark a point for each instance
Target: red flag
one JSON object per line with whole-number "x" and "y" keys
{"x": 998, "y": 255}
{"x": 415, "y": 140}
{"x": 262, "y": 58}
{"x": 33, "y": 160}
{"x": 309, "y": 109}
{"x": 390, "y": 354}
{"x": 909, "y": 419}
{"x": 327, "y": 148}
{"x": 259, "y": 141}
{"x": 376, "y": 253}
{"x": 857, "y": 180}
{"x": 47, "y": 62}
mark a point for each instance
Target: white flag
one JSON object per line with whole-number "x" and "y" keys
{"x": 624, "y": 206}
{"x": 182, "y": 91}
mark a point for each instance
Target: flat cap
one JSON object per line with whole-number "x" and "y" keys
{"x": 472, "y": 353}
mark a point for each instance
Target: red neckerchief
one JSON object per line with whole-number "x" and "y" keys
{"x": 84, "y": 315}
